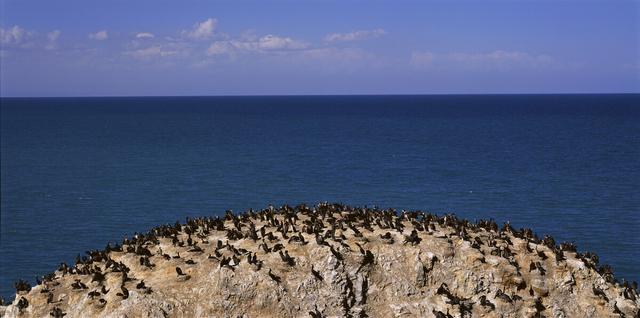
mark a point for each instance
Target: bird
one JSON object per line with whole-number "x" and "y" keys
{"x": 501, "y": 295}
{"x": 23, "y": 303}
{"x": 275, "y": 277}
{"x": 440, "y": 314}
{"x": 600, "y": 293}
{"x": 315, "y": 313}
{"x": 57, "y": 312}
{"x": 539, "y": 306}
{"x": 93, "y": 294}
{"x": 78, "y": 285}
{"x": 486, "y": 303}
{"x": 125, "y": 292}
{"x": 98, "y": 277}
{"x": 336, "y": 253}
{"x": 316, "y": 274}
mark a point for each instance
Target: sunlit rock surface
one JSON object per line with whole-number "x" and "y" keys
{"x": 341, "y": 262}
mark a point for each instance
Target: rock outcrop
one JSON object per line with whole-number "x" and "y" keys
{"x": 331, "y": 261}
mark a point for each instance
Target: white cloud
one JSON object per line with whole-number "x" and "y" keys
{"x": 53, "y": 35}
{"x": 220, "y": 48}
{"x": 145, "y": 35}
{"x": 334, "y": 60}
{"x": 99, "y": 36}
{"x": 336, "y": 54}
{"x": 354, "y": 36}
{"x": 202, "y": 30}
{"x": 272, "y": 42}
{"x": 152, "y": 51}
{"x": 267, "y": 43}
{"x": 497, "y": 60}
{"x": 500, "y": 59}
{"x": 52, "y": 39}
{"x": 422, "y": 59}
{"x": 13, "y": 35}
{"x": 500, "y": 56}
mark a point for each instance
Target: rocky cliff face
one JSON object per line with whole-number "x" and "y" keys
{"x": 331, "y": 261}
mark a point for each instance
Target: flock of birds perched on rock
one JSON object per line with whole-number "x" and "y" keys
{"x": 109, "y": 276}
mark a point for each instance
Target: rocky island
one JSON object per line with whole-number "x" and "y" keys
{"x": 330, "y": 260}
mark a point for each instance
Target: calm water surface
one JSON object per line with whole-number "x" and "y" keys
{"x": 77, "y": 173}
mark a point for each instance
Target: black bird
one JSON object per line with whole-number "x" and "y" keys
{"x": 125, "y": 292}
{"x": 98, "y": 277}
{"x": 92, "y": 294}
{"x": 235, "y": 260}
{"x": 57, "y": 312}
{"x": 440, "y": 314}
{"x": 443, "y": 290}
{"x": 484, "y": 302}
{"x": 316, "y": 274}
{"x": 616, "y": 310}
{"x": 539, "y": 306}
{"x": 336, "y": 253}
{"x": 453, "y": 299}
{"x": 316, "y": 313}
{"x": 141, "y": 285}
{"x": 542, "y": 255}
{"x": 465, "y": 309}
{"x": 527, "y": 247}
{"x": 500, "y": 294}
{"x": 366, "y": 260}
{"x": 600, "y": 293}
{"x": 275, "y": 277}
{"x": 225, "y": 262}
{"x": 320, "y": 240}
{"x": 23, "y": 303}
{"x": 559, "y": 256}
{"x": 287, "y": 259}
{"x": 79, "y": 285}
{"x": 629, "y": 293}
{"x": 179, "y": 271}
{"x": 412, "y": 238}
{"x": 22, "y": 285}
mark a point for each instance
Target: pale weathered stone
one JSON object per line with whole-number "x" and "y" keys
{"x": 402, "y": 281}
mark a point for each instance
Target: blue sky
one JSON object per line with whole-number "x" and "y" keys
{"x": 197, "y": 47}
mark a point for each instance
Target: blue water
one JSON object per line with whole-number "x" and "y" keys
{"x": 77, "y": 173}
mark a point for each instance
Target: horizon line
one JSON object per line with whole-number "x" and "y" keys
{"x": 321, "y": 95}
